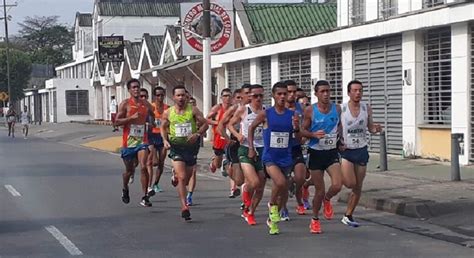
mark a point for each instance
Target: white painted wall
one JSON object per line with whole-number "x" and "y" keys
{"x": 460, "y": 84}
{"x": 60, "y": 86}
{"x": 412, "y": 91}
{"x": 371, "y": 10}
{"x": 347, "y": 73}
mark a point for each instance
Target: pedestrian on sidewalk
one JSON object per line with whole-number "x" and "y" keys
{"x": 356, "y": 120}
{"x": 113, "y": 112}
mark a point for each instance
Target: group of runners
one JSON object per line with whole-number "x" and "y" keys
{"x": 11, "y": 118}
{"x": 293, "y": 143}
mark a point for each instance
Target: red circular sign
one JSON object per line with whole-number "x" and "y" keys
{"x": 221, "y": 27}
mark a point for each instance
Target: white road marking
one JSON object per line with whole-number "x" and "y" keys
{"x": 12, "y": 190}
{"x": 63, "y": 240}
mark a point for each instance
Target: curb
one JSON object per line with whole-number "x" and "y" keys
{"x": 93, "y": 122}
{"x": 405, "y": 206}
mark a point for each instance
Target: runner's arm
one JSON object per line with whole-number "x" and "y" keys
{"x": 165, "y": 125}
{"x": 236, "y": 118}
{"x": 304, "y": 131}
{"x": 340, "y": 136}
{"x": 200, "y": 120}
{"x": 122, "y": 118}
{"x": 261, "y": 117}
{"x": 212, "y": 114}
{"x": 221, "y": 126}
{"x": 373, "y": 128}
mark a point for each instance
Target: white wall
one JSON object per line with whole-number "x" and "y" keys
{"x": 61, "y": 85}
{"x": 460, "y": 84}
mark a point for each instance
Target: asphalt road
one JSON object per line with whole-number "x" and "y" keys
{"x": 59, "y": 200}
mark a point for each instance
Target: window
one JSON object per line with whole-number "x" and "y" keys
{"x": 356, "y": 11}
{"x": 238, "y": 73}
{"x": 437, "y": 76}
{"x": 432, "y": 3}
{"x": 297, "y": 67}
{"x": 334, "y": 72}
{"x": 266, "y": 78}
{"x": 77, "y": 102}
{"x": 387, "y": 8}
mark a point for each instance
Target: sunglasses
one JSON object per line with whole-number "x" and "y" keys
{"x": 143, "y": 96}
{"x": 257, "y": 95}
{"x": 159, "y": 95}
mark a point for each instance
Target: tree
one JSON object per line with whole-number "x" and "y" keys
{"x": 45, "y": 40}
{"x": 20, "y": 71}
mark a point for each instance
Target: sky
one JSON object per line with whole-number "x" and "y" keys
{"x": 65, "y": 9}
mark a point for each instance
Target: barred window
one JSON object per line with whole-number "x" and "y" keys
{"x": 437, "y": 76}
{"x": 356, "y": 11}
{"x": 238, "y": 73}
{"x": 77, "y": 102}
{"x": 297, "y": 67}
{"x": 387, "y": 8}
{"x": 432, "y": 3}
{"x": 266, "y": 78}
{"x": 334, "y": 72}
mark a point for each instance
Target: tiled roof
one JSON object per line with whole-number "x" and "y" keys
{"x": 277, "y": 22}
{"x": 85, "y": 19}
{"x": 133, "y": 51}
{"x": 164, "y": 8}
{"x": 155, "y": 46}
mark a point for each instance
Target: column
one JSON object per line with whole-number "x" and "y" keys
{"x": 275, "y": 65}
{"x": 412, "y": 92}
{"x": 460, "y": 85}
{"x": 347, "y": 73}
{"x": 318, "y": 69}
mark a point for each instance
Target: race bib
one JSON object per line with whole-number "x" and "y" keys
{"x": 279, "y": 140}
{"x": 137, "y": 130}
{"x": 356, "y": 140}
{"x": 328, "y": 142}
{"x": 183, "y": 130}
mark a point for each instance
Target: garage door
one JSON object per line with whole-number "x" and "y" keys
{"x": 378, "y": 65}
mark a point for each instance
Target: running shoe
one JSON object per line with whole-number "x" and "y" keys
{"x": 315, "y": 226}
{"x": 274, "y": 214}
{"x": 186, "y": 215}
{"x": 273, "y": 227}
{"x": 145, "y": 202}
{"x": 284, "y": 215}
{"x": 328, "y": 211}
{"x": 306, "y": 204}
{"x": 150, "y": 191}
{"x": 349, "y": 221}
{"x": 300, "y": 210}
{"x": 174, "y": 180}
{"x": 242, "y": 206}
{"x": 250, "y": 219}
{"x": 189, "y": 200}
{"x": 130, "y": 181}
{"x": 157, "y": 188}
{"x": 245, "y": 214}
{"x": 234, "y": 193}
{"x": 125, "y": 196}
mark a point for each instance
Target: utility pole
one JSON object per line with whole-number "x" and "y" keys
{"x": 5, "y": 18}
{"x": 206, "y": 93}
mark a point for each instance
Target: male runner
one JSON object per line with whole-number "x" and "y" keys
{"x": 356, "y": 121}
{"x": 181, "y": 135}
{"x": 234, "y": 170}
{"x": 132, "y": 115}
{"x": 252, "y": 167}
{"x": 321, "y": 122}
{"x": 215, "y": 115}
{"x": 25, "y": 120}
{"x": 300, "y": 93}
{"x": 157, "y": 155}
{"x": 11, "y": 120}
{"x": 299, "y": 164}
{"x": 279, "y": 124}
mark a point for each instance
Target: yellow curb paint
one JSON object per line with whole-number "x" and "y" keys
{"x": 111, "y": 144}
